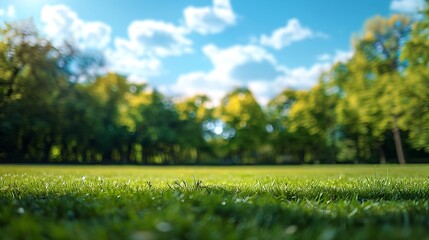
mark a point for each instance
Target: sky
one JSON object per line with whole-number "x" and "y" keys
{"x": 188, "y": 47}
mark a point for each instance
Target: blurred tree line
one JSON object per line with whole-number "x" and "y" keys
{"x": 56, "y": 106}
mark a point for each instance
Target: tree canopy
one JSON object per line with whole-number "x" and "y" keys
{"x": 56, "y": 105}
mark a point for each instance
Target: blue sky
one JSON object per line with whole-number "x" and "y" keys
{"x": 187, "y": 47}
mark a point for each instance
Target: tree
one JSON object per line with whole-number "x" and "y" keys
{"x": 284, "y": 142}
{"x": 376, "y": 62}
{"x": 357, "y": 113}
{"x": 160, "y": 130}
{"x": 312, "y": 118}
{"x": 30, "y": 87}
{"x": 245, "y": 129}
{"x": 109, "y": 90}
{"x": 416, "y": 55}
{"x": 196, "y": 114}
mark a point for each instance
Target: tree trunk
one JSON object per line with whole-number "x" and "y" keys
{"x": 197, "y": 159}
{"x": 75, "y": 154}
{"x": 47, "y": 149}
{"x": 25, "y": 148}
{"x": 398, "y": 142}
{"x": 381, "y": 153}
{"x": 107, "y": 157}
{"x": 64, "y": 151}
{"x": 126, "y": 154}
{"x": 92, "y": 158}
{"x": 173, "y": 157}
{"x": 145, "y": 157}
{"x": 301, "y": 157}
{"x": 84, "y": 154}
{"x": 358, "y": 151}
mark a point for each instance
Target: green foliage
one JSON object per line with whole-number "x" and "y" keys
{"x": 363, "y": 202}
{"x": 30, "y": 87}
{"x": 373, "y": 93}
{"x": 246, "y": 123}
{"x": 303, "y": 123}
{"x": 416, "y": 53}
{"x": 56, "y": 105}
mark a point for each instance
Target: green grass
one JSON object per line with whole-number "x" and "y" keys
{"x": 299, "y": 202}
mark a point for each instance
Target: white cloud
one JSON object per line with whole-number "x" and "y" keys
{"x": 293, "y": 31}
{"x": 157, "y": 38}
{"x": 324, "y": 57}
{"x": 234, "y": 62}
{"x": 137, "y": 56}
{"x": 62, "y": 24}
{"x": 231, "y": 68}
{"x": 126, "y": 61}
{"x": 264, "y": 91}
{"x": 342, "y": 56}
{"x": 303, "y": 77}
{"x": 9, "y": 12}
{"x": 306, "y": 77}
{"x": 339, "y": 56}
{"x": 267, "y": 80}
{"x": 200, "y": 83}
{"x": 148, "y": 41}
{"x": 407, "y": 6}
{"x": 294, "y": 78}
{"x": 209, "y": 20}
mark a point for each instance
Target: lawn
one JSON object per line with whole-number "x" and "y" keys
{"x": 279, "y": 202}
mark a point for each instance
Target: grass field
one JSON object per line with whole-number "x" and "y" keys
{"x": 294, "y": 202}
